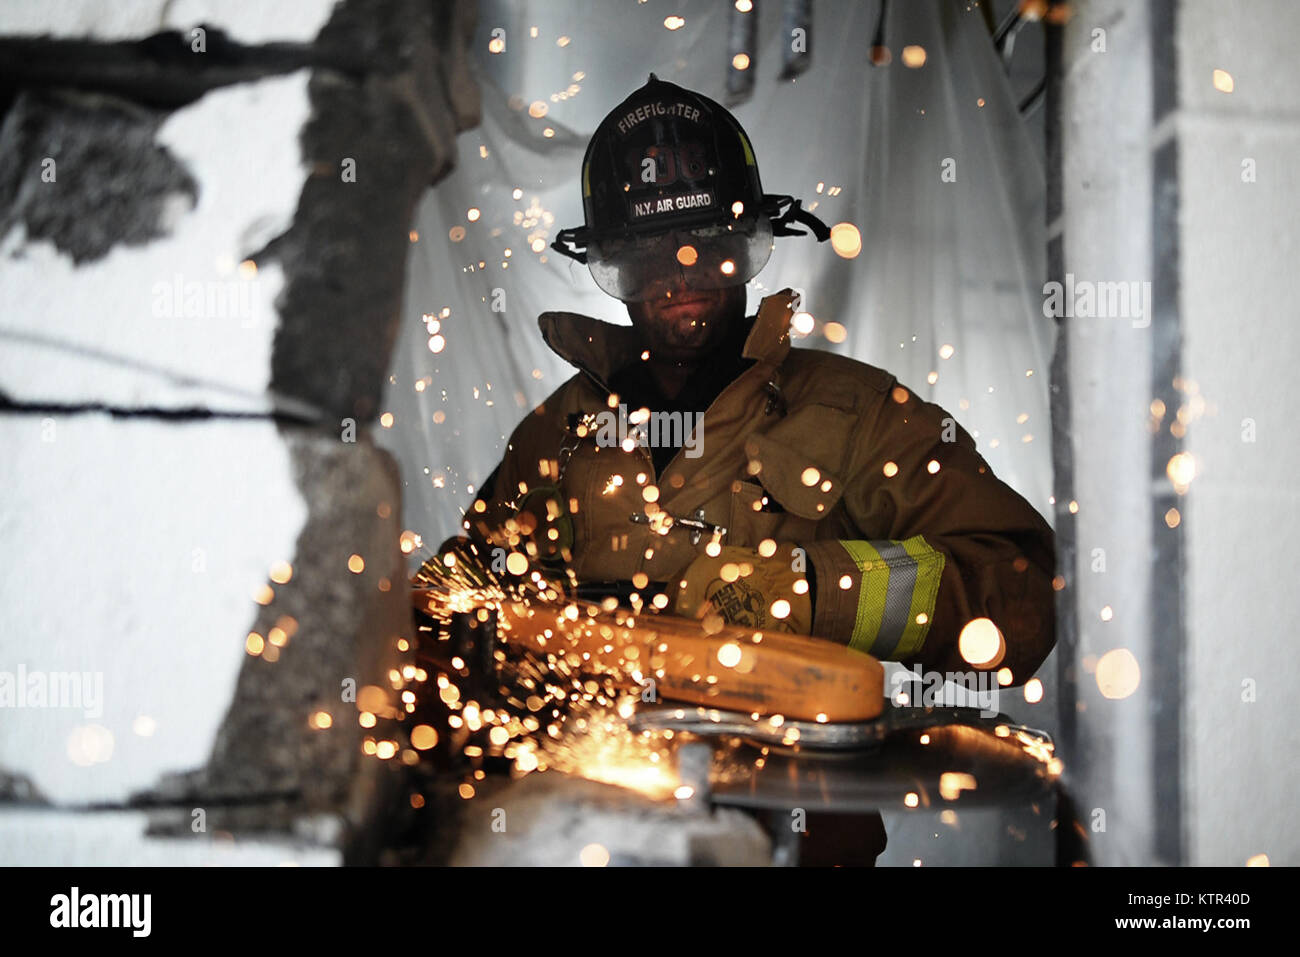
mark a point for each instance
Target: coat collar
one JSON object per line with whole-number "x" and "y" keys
{"x": 601, "y": 348}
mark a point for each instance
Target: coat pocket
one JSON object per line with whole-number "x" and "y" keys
{"x": 752, "y": 520}
{"x": 797, "y": 463}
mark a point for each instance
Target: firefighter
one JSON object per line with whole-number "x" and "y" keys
{"x": 697, "y": 441}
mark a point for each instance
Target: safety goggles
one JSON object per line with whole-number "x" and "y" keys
{"x": 635, "y": 268}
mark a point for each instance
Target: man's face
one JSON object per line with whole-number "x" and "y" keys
{"x": 687, "y": 324}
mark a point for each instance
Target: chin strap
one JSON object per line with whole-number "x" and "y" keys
{"x": 795, "y": 213}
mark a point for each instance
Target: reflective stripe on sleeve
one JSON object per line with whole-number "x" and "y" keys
{"x": 896, "y": 596}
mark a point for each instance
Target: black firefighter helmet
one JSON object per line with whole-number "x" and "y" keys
{"x": 671, "y": 196}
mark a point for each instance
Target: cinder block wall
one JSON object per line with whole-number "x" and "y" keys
{"x": 1175, "y": 127}
{"x": 204, "y": 223}
{"x": 1238, "y": 185}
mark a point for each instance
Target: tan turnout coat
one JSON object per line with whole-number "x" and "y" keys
{"x": 908, "y": 532}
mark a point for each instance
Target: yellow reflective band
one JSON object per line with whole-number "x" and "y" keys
{"x": 749, "y": 151}
{"x": 896, "y": 596}
{"x": 929, "y": 570}
{"x": 871, "y": 594}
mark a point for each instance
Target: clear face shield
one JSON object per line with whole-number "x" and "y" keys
{"x": 639, "y": 268}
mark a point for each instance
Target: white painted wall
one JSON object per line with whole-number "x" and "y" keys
{"x": 145, "y": 326}
{"x": 1241, "y": 328}
{"x": 132, "y": 547}
{"x": 38, "y": 837}
{"x": 246, "y": 21}
{"x": 132, "y": 550}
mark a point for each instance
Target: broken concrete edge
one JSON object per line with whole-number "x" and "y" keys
{"x": 272, "y": 769}
{"x": 122, "y": 273}
{"x": 249, "y": 22}
{"x": 393, "y": 127}
{"x": 454, "y": 26}
{"x": 364, "y": 154}
{"x": 373, "y": 146}
{"x": 176, "y": 65}
{"x": 294, "y": 414}
{"x": 388, "y": 95}
{"x": 361, "y": 828}
{"x": 360, "y": 833}
{"x": 18, "y": 789}
{"x": 126, "y": 180}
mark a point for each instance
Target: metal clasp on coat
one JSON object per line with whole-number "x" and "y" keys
{"x": 775, "y": 399}
{"x": 696, "y": 524}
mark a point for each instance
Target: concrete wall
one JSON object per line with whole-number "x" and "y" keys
{"x": 204, "y": 221}
{"x": 1177, "y": 665}
{"x": 1239, "y": 197}
{"x": 1100, "y": 231}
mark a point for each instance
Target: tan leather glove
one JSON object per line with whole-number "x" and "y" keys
{"x": 745, "y": 588}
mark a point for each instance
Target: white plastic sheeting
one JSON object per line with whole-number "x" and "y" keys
{"x": 932, "y": 163}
